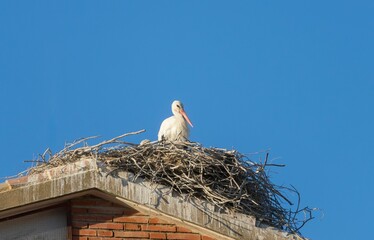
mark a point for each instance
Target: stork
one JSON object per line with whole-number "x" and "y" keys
{"x": 175, "y": 128}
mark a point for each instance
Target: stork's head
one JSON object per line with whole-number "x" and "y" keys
{"x": 178, "y": 109}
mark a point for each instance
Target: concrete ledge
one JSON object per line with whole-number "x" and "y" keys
{"x": 81, "y": 177}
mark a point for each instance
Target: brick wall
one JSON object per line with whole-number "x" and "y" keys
{"x": 94, "y": 218}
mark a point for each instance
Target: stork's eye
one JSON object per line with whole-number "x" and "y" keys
{"x": 178, "y": 106}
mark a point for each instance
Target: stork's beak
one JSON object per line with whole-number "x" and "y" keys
{"x": 186, "y": 117}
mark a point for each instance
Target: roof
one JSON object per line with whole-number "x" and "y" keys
{"x": 85, "y": 176}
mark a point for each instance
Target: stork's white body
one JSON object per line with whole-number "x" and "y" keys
{"x": 175, "y": 128}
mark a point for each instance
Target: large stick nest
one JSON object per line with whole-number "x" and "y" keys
{"x": 225, "y": 178}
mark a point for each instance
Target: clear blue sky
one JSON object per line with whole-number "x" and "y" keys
{"x": 293, "y": 76}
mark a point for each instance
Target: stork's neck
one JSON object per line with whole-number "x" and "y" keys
{"x": 178, "y": 115}
{"x": 180, "y": 118}
{"x": 176, "y": 112}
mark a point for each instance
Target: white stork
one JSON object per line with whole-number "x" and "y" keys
{"x": 175, "y": 128}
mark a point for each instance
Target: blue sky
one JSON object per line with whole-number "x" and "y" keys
{"x": 295, "y": 77}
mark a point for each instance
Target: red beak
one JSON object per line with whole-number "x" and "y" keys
{"x": 186, "y": 117}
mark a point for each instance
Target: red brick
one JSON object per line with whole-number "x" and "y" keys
{"x": 106, "y": 210}
{"x": 157, "y": 220}
{"x": 108, "y": 238}
{"x": 104, "y": 233}
{"x": 90, "y": 202}
{"x": 132, "y": 227}
{"x": 83, "y": 202}
{"x": 83, "y": 218}
{"x": 183, "y": 230}
{"x": 106, "y": 218}
{"x": 183, "y": 236}
{"x": 91, "y": 218}
{"x": 207, "y": 238}
{"x": 159, "y": 228}
{"x": 131, "y": 234}
{"x": 79, "y": 224}
{"x": 131, "y": 219}
{"x": 78, "y": 210}
{"x": 102, "y": 202}
{"x": 80, "y": 238}
{"x": 130, "y": 212}
{"x": 155, "y": 235}
{"x": 89, "y": 196}
{"x": 84, "y": 232}
{"x": 107, "y": 225}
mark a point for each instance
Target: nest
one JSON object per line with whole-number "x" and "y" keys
{"x": 225, "y": 178}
